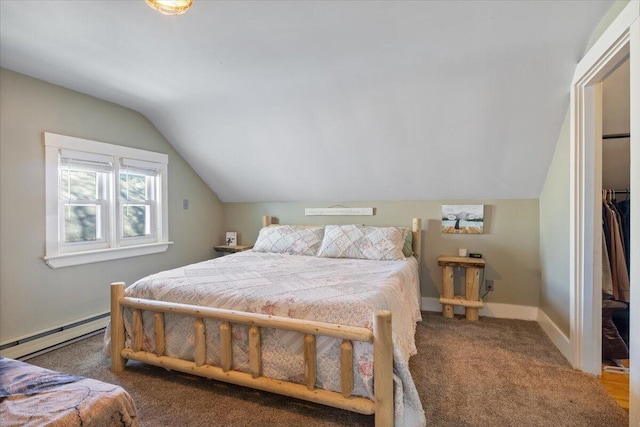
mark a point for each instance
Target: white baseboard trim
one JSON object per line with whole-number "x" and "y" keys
{"x": 557, "y": 337}
{"x": 49, "y": 341}
{"x": 491, "y": 309}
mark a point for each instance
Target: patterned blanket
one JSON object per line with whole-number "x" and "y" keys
{"x": 34, "y": 396}
{"x": 341, "y": 291}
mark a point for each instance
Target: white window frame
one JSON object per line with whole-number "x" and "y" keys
{"x": 140, "y": 166}
{"x": 104, "y": 182}
{"x": 58, "y": 254}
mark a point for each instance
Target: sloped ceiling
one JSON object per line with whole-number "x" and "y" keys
{"x": 326, "y": 100}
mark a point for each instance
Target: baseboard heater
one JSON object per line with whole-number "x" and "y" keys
{"x": 33, "y": 345}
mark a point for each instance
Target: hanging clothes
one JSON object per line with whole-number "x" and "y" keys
{"x": 624, "y": 209}
{"x": 607, "y": 280}
{"x": 613, "y": 345}
{"x": 613, "y": 232}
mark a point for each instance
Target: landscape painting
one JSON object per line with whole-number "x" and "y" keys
{"x": 463, "y": 219}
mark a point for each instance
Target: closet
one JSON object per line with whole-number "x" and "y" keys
{"x": 616, "y": 206}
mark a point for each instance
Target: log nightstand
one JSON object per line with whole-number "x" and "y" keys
{"x": 471, "y": 300}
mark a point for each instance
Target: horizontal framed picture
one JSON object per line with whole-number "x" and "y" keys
{"x": 232, "y": 238}
{"x": 463, "y": 219}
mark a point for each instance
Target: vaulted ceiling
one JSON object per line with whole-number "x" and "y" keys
{"x": 326, "y": 100}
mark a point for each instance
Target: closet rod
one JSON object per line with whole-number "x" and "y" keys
{"x": 616, "y": 135}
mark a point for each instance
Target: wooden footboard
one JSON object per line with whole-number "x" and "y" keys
{"x": 381, "y": 406}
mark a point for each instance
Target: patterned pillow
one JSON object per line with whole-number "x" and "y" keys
{"x": 290, "y": 239}
{"x": 353, "y": 241}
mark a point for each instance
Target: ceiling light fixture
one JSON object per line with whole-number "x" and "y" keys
{"x": 170, "y": 7}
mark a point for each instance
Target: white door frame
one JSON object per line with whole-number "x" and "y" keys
{"x": 619, "y": 41}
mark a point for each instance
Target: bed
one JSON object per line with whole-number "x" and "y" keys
{"x": 34, "y": 396}
{"x": 307, "y": 314}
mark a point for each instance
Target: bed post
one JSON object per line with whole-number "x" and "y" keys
{"x": 266, "y": 221}
{"x": 416, "y": 229}
{"x": 117, "y": 328}
{"x": 383, "y": 368}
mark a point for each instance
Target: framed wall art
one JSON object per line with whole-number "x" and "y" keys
{"x": 231, "y": 239}
{"x": 463, "y": 219}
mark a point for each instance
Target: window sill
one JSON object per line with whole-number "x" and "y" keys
{"x": 78, "y": 258}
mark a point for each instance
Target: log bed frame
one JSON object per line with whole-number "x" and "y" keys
{"x": 380, "y": 337}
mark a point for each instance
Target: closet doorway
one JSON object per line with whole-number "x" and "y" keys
{"x": 616, "y": 208}
{"x": 619, "y": 42}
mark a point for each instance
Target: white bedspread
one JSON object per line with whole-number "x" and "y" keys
{"x": 342, "y": 291}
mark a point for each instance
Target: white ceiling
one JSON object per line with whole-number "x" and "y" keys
{"x": 326, "y": 100}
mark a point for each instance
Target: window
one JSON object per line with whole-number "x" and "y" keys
{"x": 137, "y": 200}
{"x": 104, "y": 201}
{"x": 83, "y": 196}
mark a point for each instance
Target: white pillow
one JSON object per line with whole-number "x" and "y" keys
{"x": 353, "y": 241}
{"x": 290, "y": 239}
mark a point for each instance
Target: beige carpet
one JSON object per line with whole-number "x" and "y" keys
{"x": 494, "y": 372}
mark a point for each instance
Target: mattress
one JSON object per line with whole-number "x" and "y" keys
{"x": 34, "y": 396}
{"x": 342, "y": 291}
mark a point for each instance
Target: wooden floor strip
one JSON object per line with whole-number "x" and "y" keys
{"x": 617, "y": 385}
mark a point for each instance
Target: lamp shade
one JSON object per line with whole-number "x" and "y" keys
{"x": 170, "y": 7}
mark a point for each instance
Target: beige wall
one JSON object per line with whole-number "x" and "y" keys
{"x": 554, "y": 235}
{"x": 34, "y": 297}
{"x": 509, "y": 245}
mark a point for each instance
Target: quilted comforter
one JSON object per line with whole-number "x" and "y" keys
{"x": 341, "y": 291}
{"x": 34, "y": 396}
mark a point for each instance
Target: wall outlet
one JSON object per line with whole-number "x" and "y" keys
{"x": 185, "y": 204}
{"x": 488, "y": 285}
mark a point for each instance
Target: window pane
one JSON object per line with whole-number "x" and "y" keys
{"x": 136, "y": 220}
{"x": 78, "y": 185}
{"x": 80, "y": 223}
{"x": 133, "y": 187}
